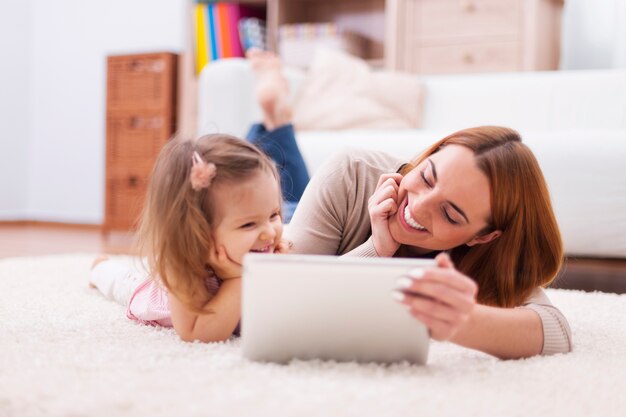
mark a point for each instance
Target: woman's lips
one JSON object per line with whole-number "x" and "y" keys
{"x": 401, "y": 218}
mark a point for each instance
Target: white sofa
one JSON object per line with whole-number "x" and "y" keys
{"x": 574, "y": 121}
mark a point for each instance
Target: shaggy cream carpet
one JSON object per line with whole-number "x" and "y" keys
{"x": 66, "y": 351}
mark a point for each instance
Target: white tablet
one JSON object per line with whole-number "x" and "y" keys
{"x": 328, "y": 307}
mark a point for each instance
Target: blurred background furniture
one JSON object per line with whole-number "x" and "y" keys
{"x": 419, "y": 36}
{"x": 574, "y": 121}
{"x": 141, "y": 109}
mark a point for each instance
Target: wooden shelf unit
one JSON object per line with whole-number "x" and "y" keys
{"x": 141, "y": 117}
{"x": 420, "y": 36}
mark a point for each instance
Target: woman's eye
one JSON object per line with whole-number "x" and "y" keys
{"x": 425, "y": 180}
{"x": 450, "y": 219}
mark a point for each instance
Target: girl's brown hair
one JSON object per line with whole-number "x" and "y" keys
{"x": 529, "y": 253}
{"x": 175, "y": 226}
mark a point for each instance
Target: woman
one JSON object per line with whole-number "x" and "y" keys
{"x": 478, "y": 194}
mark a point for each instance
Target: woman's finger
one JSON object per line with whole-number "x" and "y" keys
{"x": 382, "y": 195}
{"x": 437, "y": 292}
{"x": 444, "y": 260}
{"x": 384, "y": 177}
{"x": 384, "y": 209}
{"x": 439, "y": 330}
{"x": 446, "y": 276}
{"x": 435, "y": 309}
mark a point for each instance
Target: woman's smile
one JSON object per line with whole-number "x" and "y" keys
{"x": 407, "y": 221}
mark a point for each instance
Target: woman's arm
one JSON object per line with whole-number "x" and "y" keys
{"x": 445, "y": 301}
{"x": 332, "y": 217}
{"x": 224, "y": 311}
{"x": 507, "y": 333}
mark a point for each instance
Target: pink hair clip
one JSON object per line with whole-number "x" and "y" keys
{"x": 202, "y": 172}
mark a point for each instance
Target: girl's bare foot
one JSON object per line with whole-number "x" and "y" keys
{"x": 272, "y": 89}
{"x": 96, "y": 261}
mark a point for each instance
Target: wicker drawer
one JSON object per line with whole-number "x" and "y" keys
{"x": 141, "y": 81}
{"x": 133, "y": 136}
{"x": 125, "y": 195}
{"x": 487, "y": 57}
{"x": 447, "y": 19}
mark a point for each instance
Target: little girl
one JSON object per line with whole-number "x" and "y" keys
{"x": 209, "y": 202}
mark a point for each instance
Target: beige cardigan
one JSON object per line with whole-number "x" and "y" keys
{"x": 332, "y": 219}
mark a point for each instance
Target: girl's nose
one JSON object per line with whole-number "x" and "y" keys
{"x": 268, "y": 234}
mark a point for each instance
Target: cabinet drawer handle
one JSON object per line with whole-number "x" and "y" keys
{"x": 133, "y": 181}
{"x": 468, "y": 58}
{"x": 156, "y": 66}
{"x": 468, "y": 6}
{"x": 136, "y": 122}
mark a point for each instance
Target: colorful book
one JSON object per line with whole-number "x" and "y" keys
{"x": 218, "y": 32}
{"x": 212, "y": 32}
{"x": 224, "y": 30}
{"x": 201, "y": 37}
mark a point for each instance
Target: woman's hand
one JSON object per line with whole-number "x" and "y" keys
{"x": 223, "y": 266}
{"x": 442, "y": 298}
{"x": 382, "y": 205}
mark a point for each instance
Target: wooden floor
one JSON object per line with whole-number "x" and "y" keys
{"x": 35, "y": 239}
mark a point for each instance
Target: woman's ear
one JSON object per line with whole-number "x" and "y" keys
{"x": 482, "y": 239}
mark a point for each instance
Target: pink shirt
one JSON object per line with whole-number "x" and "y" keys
{"x": 150, "y": 305}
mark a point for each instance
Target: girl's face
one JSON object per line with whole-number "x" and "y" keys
{"x": 443, "y": 203}
{"x": 247, "y": 216}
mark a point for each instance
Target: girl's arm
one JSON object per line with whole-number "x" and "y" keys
{"x": 217, "y": 325}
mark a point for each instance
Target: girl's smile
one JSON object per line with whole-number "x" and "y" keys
{"x": 247, "y": 216}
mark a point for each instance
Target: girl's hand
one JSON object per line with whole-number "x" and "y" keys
{"x": 283, "y": 246}
{"x": 223, "y": 266}
{"x": 382, "y": 205}
{"x": 442, "y": 298}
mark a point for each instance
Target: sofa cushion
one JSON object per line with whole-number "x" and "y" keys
{"x": 553, "y": 100}
{"x": 340, "y": 91}
{"x": 582, "y": 169}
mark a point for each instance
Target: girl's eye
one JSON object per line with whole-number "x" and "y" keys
{"x": 275, "y": 216}
{"x": 447, "y": 216}
{"x": 247, "y": 225}
{"x": 422, "y": 173}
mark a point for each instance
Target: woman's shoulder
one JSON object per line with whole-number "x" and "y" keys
{"x": 371, "y": 163}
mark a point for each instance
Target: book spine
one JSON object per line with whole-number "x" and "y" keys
{"x": 212, "y": 32}
{"x": 234, "y": 15}
{"x": 201, "y": 37}
{"x": 224, "y": 30}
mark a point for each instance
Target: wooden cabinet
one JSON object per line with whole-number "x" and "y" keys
{"x": 141, "y": 109}
{"x": 439, "y": 36}
{"x": 460, "y": 36}
{"x": 421, "y": 36}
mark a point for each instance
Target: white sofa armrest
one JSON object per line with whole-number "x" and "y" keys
{"x": 226, "y": 96}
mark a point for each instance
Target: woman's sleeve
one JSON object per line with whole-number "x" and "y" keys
{"x": 557, "y": 336}
{"x": 317, "y": 225}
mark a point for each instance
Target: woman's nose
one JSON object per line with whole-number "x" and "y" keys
{"x": 422, "y": 202}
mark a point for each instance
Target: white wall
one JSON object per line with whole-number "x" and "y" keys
{"x": 594, "y": 34}
{"x": 70, "y": 40}
{"x": 14, "y": 70}
{"x": 52, "y": 88}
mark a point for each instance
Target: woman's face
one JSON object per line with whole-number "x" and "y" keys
{"x": 247, "y": 216}
{"x": 443, "y": 203}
